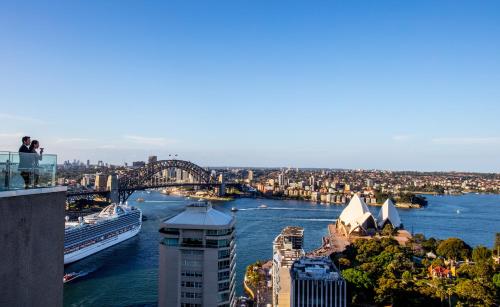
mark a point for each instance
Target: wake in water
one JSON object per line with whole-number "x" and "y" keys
{"x": 313, "y": 220}
{"x": 164, "y": 201}
{"x": 281, "y": 208}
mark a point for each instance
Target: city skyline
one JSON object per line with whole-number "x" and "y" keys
{"x": 397, "y": 86}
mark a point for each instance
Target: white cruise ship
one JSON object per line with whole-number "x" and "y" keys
{"x": 95, "y": 232}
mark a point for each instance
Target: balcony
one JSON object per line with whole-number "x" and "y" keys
{"x": 27, "y": 171}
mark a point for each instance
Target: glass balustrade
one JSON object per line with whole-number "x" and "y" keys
{"x": 27, "y": 170}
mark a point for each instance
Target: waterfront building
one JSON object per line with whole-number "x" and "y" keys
{"x": 316, "y": 282}
{"x": 287, "y": 247}
{"x": 389, "y": 215}
{"x": 197, "y": 258}
{"x": 356, "y": 218}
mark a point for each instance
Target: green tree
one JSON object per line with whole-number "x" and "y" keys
{"x": 357, "y": 278}
{"x": 388, "y": 230}
{"x": 496, "y": 280}
{"x": 473, "y": 293}
{"x": 430, "y": 245}
{"x": 454, "y": 248}
{"x": 481, "y": 254}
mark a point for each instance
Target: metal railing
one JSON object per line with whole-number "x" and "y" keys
{"x": 27, "y": 170}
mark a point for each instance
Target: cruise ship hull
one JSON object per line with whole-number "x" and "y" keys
{"x": 99, "y": 246}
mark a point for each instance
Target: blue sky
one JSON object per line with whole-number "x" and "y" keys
{"x": 350, "y": 84}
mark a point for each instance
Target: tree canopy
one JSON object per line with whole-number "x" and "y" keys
{"x": 454, "y": 248}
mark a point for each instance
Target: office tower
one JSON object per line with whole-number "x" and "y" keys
{"x": 136, "y": 164}
{"x": 281, "y": 180}
{"x": 197, "y": 258}
{"x": 312, "y": 181}
{"x": 152, "y": 159}
{"x": 88, "y": 163}
{"x": 369, "y": 183}
{"x": 316, "y": 282}
{"x": 178, "y": 174}
{"x": 101, "y": 182}
{"x": 250, "y": 175}
{"x": 287, "y": 247}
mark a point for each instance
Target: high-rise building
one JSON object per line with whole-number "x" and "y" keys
{"x": 250, "y": 175}
{"x": 316, "y": 282}
{"x": 281, "y": 179}
{"x": 101, "y": 182}
{"x": 312, "y": 182}
{"x": 152, "y": 159}
{"x": 287, "y": 247}
{"x": 369, "y": 183}
{"x": 197, "y": 258}
{"x": 138, "y": 164}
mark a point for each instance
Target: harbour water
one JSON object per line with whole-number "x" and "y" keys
{"x": 126, "y": 274}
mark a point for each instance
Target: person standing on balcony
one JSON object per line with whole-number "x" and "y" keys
{"x": 25, "y": 160}
{"x": 35, "y": 158}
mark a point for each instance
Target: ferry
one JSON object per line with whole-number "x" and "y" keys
{"x": 234, "y": 209}
{"x": 263, "y": 206}
{"x": 98, "y": 231}
{"x": 140, "y": 200}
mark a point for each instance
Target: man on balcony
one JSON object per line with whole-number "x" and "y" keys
{"x": 24, "y": 160}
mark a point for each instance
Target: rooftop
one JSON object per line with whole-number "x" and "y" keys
{"x": 200, "y": 214}
{"x": 314, "y": 269}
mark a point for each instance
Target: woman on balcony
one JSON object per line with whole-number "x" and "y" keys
{"x": 36, "y": 157}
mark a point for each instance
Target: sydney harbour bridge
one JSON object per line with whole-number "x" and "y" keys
{"x": 121, "y": 185}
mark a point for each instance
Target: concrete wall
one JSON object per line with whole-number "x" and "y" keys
{"x": 32, "y": 247}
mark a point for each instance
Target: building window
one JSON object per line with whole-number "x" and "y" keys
{"x": 191, "y": 274}
{"x": 197, "y": 242}
{"x": 170, "y": 241}
{"x": 223, "y": 297}
{"x": 224, "y": 264}
{"x": 192, "y": 284}
{"x": 223, "y": 286}
{"x": 224, "y": 275}
{"x": 224, "y": 254}
{"x": 190, "y": 295}
{"x": 220, "y": 232}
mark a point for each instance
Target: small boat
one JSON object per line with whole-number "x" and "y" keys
{"x": 234, "y": 209}
{"x": 140, "y": 200}
{"x": 72, "y": 276}
{"x": 458, "y": 211}
{"x": 263, "y": 206}
{"x": 201, "y": 199}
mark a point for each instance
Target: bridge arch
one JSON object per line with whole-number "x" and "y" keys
{"x": 137, "y": 179}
